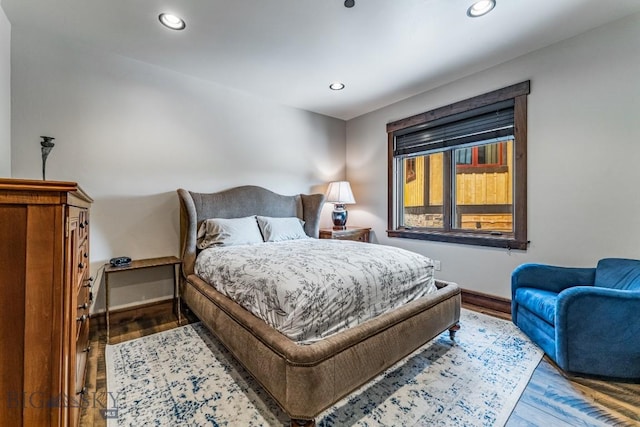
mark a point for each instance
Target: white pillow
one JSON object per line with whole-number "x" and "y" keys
{"x": 228, "y": 231}
{"x": 279, "y": 229}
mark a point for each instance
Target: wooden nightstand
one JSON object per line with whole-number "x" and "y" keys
{"x": 360, "y": 234}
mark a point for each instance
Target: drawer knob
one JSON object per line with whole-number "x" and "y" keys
{"x": 90, "y": 296}
{"x": 87, "y": 350}
{"x": 81, "y": 265}
{"x": 85, "y": 255}
{"x": 82, "y": 225}
{"x": 83, "y": 306}
{"x": 88, "y": 282}
{"x": 81, "y": 318}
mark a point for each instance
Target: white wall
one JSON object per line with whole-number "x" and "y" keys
{"x": 5, "y": 95}
{"x": 131, "y": 134}
{"x": 583, "y": 157}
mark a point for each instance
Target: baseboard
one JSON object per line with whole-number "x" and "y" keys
{"x": 128, "y": 314}
{"x": 491, "y": 302}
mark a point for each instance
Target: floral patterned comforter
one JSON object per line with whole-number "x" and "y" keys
{"x": 309, "y": 289}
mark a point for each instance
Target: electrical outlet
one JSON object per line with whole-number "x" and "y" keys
{"x": 436, "y": 265}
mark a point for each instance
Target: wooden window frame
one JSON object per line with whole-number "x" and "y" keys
{"x": 515, "y": 240}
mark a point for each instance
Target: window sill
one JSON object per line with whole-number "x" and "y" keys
{"x": 507, "y": 242}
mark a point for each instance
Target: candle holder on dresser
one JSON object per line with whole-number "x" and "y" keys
{"x": 46, "y": 147}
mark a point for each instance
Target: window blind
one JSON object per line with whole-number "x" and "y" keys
{"x": 480, "y": 124}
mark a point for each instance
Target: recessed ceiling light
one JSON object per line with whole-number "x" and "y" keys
{"x": 481, "y": 8}
{"x": 336, "y": 86}
{"x": 171, "y": 21}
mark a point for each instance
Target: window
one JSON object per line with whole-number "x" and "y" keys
{"x": 476, "y": 159}
{"x": 458, "y": 173}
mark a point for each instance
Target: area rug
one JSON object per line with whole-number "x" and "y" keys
{"x": 184, "y": 376}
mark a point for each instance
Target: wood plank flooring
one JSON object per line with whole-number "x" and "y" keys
{"x": 551, "y": 399}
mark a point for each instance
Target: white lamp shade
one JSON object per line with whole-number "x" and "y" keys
{"x": 340, "y": 192}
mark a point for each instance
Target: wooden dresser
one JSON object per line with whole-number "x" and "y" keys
{"x": 45, "y": 293}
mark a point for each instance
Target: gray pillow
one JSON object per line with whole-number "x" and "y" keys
{"x": 228, "y": 231}
{"x": 279, "y": 229}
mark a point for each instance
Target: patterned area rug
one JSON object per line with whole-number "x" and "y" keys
{"x": 184, "y": 376}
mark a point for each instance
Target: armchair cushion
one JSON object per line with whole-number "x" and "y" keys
{"x": 617, "y": 273}
{"x": 542, "y": 303}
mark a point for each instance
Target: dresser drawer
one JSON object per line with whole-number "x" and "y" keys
{"x": 82, "y": 353}
{"x": 83, "y": 304}
{"x": 82, "y": 263}
{"x": 83, "y": 224}
{"x": 362, "y": 236}
{"x": 358, "y": 234}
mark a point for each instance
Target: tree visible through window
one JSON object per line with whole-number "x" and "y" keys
{"x": 458, "y": 173}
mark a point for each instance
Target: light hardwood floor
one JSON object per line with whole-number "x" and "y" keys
{"x": 551, "y": 399}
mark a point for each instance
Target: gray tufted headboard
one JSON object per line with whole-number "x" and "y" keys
{"x": 240, "y": 202}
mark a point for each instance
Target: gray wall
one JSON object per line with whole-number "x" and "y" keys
{"x": 131, "y": 134}
{"x": 5, "y": 95}
{"x": 583, "y": 157}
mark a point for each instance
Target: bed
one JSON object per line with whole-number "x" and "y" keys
{"x": 303, "y": 379}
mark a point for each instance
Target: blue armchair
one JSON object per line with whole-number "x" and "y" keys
{"x": 586, "y": 319}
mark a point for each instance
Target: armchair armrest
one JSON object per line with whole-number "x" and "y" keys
{"x": 597, "y": 331}
{"x": 550, "y": 278}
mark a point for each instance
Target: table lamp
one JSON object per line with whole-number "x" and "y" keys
{"x": 339, "y": 193}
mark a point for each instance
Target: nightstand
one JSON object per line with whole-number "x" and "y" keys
{"x": 146, "y": 263}
{"x": 360, "y": 234}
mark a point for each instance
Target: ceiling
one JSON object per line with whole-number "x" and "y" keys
{"x": 289, "y": 51}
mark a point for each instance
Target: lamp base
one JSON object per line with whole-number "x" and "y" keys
{"x": 339, "y": 217}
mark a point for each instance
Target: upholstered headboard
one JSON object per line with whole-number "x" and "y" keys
{"x": 240, "y": 202}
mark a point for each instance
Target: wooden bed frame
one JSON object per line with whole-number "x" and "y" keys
{"x": 303, "y": 379}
